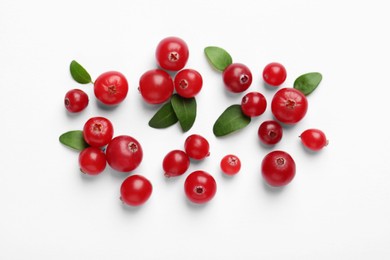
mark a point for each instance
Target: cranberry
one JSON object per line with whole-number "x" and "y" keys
{"x": 278, "y": 168}
{"x": 274, "y": 74}
{"x": 136, "y": 190}
{"x": 92, "y": 161}
{"x": 188, "y": 83}
{"x": 98, "y": 131}
{"x": 111, "y": 88}
{"x": 237, "y": 77}
{"x": 175, "y": 163}
{"x": 200, "y": 187}
{"x": 253, "y": 104}
{"x": 289, "y": 105}
{"x": 76, "y": 100}
{"x": 314, "y": 139}
{"x": 172, "y": 53}
{"x": 270, "y": 132}
{"x": 197, "y": 147}
{"x": 156, "y": 86}
{"x": 230, "y": 164}
{"x": 124, "y": 153}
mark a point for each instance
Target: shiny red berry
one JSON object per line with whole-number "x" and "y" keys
{"x": 92, "y": 161}
{"x": 230, "y": 164}
{"x": 76, "y": 100}
{"x": 289, "y": 105}
{"x": 188, "y": 83}
{"x": 172, "y": 53}
{"x": 135, "y": 190}
{"x": 270, "y": 132}
{"x": 314, "y": 139}
{"x": 200, "y": 187}
{"x": 124, "y": 153}
{"x": 237, "y": 77}
{"x": 197, "y": 147}
{"x": 274, "y": 74}
{"x": 175, "y": 163}
{"x": 278, "y": 168}
{"x": 156, "y": 86}
{"x": 98, "y": 131}
{"x": 253, "y": 104}
{"x": 111, "y": 88}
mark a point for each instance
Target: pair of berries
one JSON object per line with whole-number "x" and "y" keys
{"x": 157, "y": 86}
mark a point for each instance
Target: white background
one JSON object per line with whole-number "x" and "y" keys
{"x": 337, "y": 207}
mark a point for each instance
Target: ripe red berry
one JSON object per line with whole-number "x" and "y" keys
{"x": 98, "y": 131}
{"x": 274, "y": 74}
{"x": 197, "y": 147}
{"x": 92, "y": 161}
{"x": 156, "y": 86}
{"x": 289, "y": 105}
{"x": 278, "y": 168}
{"x": 76, "y": 100}
{"x": 175, "y": 163}
{"x": 230, "y": 164}
{"x": 253, "y": 104}
{"x": 135, "y": 190}
{"x": 188, "y": 83}
{"x": 172, "y": 53}
{"x": 200, "y": 187}
{"x": 237, "y": 77}
{"x": 111, "y": 88}
{"x": 124, "y": 153}
{"x": 270, "y": 132}
{"x": 314, "y": 139}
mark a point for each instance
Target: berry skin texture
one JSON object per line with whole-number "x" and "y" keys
{"x": 197, "y": 147}
{"x": 98, "y": 131}
{"x": 278, "y": 168}
{"x": 237, "y": 77}
{"x": 289, "y": 105}
{"x": 111, "y": 88}
{"x": 156, "y": 86}
{"x": 274, "y": 74}
{"x": 76, "y": 100}
{"x": 253, "y": 104}
{"x": 314, "y": 139}
{"x": 135, "y": 190}
{"x": 200, "y": 187}
{"x": 175, "y": 163}
{"x": 172, "y": 53}
{"x": 92, "y": 161}
{"x": 124, "y": 153}
{"x": 270, "y": 132}
{"x": 230, "y": 164}
{"x": 188, "y": 83}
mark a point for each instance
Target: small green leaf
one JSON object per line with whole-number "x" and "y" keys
{"x": 308, "y": 82}
{"x": 232, "y": 119}
{"x": 164, "y": 117}
{"x": 185, "y": 110}
{"x": 218, "y": 57}
{"x": 74, "y": 139}
{"x": 79, "y": 74}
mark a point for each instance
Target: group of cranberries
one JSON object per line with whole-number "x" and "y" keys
{"x": 124, "y": 153}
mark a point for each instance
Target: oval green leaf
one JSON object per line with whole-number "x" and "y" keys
{"x": 79, "y": 74}
{"x": 231, "y": 120}
{"x": 74, "y": 139}
{"x": 308, "y": 82}
{"x": 164, "y": 117}
{"x": 185, "y": 110}
{"x": 218, "y": 57}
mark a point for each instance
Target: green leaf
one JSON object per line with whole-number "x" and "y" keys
{"x": 74, "y": 139}
{"x": 218, "y": 57}
{"x": 79, "y": 74}
{"x": 231, "y": 120}
{"x": 164, "y": 117}
{"x": 308, "y": 82}
{"x": 185, "y": 110}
